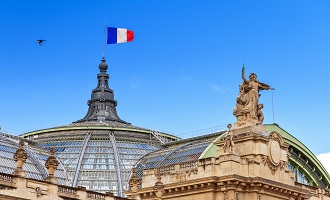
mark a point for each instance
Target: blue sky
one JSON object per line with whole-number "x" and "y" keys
{"x": 180, "y": 74}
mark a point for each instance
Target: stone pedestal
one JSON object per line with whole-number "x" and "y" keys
{"x": 230, "y": 163}
{"x": 257, "y": 153}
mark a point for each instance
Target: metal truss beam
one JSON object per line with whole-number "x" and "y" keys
{"x": 118, "y": 167}
{"x": 82, "y": 152}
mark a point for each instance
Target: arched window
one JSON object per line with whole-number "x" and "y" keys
{"x": 298, "y": 175}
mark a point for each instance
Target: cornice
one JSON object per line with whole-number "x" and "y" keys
{"x": 223, "y": 184}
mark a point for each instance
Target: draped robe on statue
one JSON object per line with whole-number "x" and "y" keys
{"x": 246, "y": 109}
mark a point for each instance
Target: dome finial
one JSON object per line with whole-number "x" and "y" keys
{"x": 103, "y": 66}
{"x": 102, "y": 105}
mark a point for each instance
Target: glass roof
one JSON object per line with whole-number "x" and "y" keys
{"x": 188, "y": 151}
{"x": 99, "y": 161}
{"x": 34, "y": 166}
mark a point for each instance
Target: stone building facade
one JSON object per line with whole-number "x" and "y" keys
{"x": 252, "y": 161}
{"x": 257, "y": 168}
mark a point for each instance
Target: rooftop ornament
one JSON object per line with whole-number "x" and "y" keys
{"x": 102, "y": 105}
{"x": 134, "y": 182}
{"x": 159, "y": 188}
{"x": 20, "y": 157}
{"x": 51, "y": 165}
{"x": 229, "y": 143}
{"x": 248, "y": 110}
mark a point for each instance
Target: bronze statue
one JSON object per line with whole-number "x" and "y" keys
{"x": 248, "y": 110}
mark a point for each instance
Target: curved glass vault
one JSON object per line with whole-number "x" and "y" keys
{"x": 34, "y": 166}
{"x": 96, "y": 156}
{"x": 183, "y": 152}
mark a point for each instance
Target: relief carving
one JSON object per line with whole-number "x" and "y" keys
{"x": 236, "y": 196}
{"x": 225, "y": 195}
{"x": 274, "y": 159}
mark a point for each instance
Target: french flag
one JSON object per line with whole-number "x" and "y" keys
{"x": 119, "y": 35}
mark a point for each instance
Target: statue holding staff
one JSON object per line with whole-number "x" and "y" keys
{"x": 246, "y": 109}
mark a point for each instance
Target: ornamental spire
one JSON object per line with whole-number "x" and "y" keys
{"x": 102, "y": 106}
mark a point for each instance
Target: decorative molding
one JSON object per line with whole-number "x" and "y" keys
{"x": 134, "y": 182}
{"x": 159, "y": 187}
{"x": 236, "y": 196}
{"x": 258, "y": 196}
{"x": 225, "y": 195}
{"x": 274, "y": 159}
{"x": 273, "y": 167}
{"x": 221, "y": 184}
{"x": 38, "y": 191}
{"x": 2, "y": 187}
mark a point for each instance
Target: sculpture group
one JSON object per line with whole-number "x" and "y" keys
{"x": 248, "y": 110}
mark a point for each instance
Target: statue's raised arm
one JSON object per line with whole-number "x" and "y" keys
{"x": 243, "y": 74}
{"x": 264, "y": 86}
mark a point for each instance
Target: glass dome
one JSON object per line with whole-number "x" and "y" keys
{"x": 99, "y": 150}
{"x": 99, "y": 156}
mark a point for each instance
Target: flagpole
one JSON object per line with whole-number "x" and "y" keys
{"x": 273, "y": 105}
{"x": 105, "y": 37}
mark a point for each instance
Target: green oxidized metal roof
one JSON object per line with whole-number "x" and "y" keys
{"x": 211, "y": 150}
{"x": 295, "y": 143}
